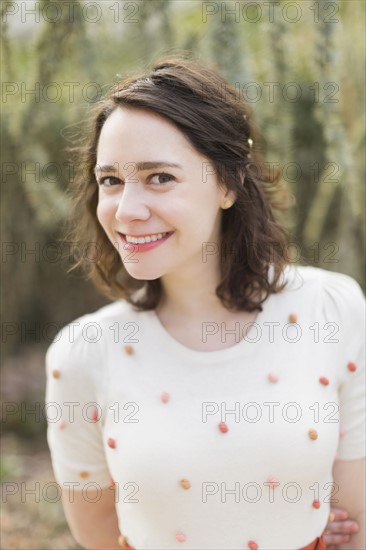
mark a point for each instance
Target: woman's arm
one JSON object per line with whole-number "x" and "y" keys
{"x": 94, "y": 525}
{"x": 349, "y": 475}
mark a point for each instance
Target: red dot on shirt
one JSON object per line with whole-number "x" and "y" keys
{"x": 165, "y": 397}
{"x": 223, "y": 427}
{"x": 180, "y": 537}
{"x": 351, "y": 366}
{"x": 111, "y": 443}
{"x": 273, "y": 482}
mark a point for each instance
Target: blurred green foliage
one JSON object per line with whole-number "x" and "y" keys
{"x": 321, "y": 132}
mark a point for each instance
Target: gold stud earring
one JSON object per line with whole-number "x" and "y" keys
{"x": 227, "y": 204}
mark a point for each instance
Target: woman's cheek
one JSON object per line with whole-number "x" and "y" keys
{"x": 104, "y": 214}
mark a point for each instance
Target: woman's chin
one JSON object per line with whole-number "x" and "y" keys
{"x": 143, "y": 274}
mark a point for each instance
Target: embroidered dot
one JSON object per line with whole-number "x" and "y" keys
{"x": 313, "y": 434}
{"x": 273, "y": 482}
{"x": 180, "y": 537}
{"x": 292, "y": 318}
{"x": 316, "y": 504}
{"x": 323, "y": 380}
{"x": 123, "y": 542}
{"x": 273, "y": 377}
{"x": 111, "y": 443}
{"x": 84, "y": 474}
{"x": 56, "y": 373}
{"x": 111, "y": 482}
{"x": 95, "y": 416}
{"x": 129, "y": 349}
{"x": 252, "y": 545}
{"x": 61, "y": 425}
{"x": 223, "y": 427}
{"x": 165, "y": 397}
{"x": 342, "y": 431}
{"x": 351, "y": 366}
{"x": 185, "y": 484}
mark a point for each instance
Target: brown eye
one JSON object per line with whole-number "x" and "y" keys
{"x": 161, "y": 176}
{"x": 109, "y": 181}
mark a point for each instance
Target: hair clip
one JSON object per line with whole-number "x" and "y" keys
{"x": 250, "y": 143}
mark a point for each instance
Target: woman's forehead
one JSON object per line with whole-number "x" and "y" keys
{"x": 125, "y": 117}
{"x": 133, "y": 131}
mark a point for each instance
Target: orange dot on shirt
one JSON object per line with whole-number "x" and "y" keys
{"x": 223, "y": 427}
{"x": 111, "y": 443}
{"x": 316, "y": 504}
{"x": 94, "y": 415}
{"x": 323, "y": 380}
{"x": 313, "y": 434}
{"x": 165, "y": 397}
{"x": 185, "y": 484}
{"x": 351, "y": 366}
{"x": 84, "y": 474}
{"x": 252, "y": 545}
{"x": 56, "y": 373}
{"x": 273, "y": 377}
{"x": 129, "y": 349}
{"x": 180, "y": 537}
{"x": 61, "y": 425}
{"x": 342, "y": 431}
{"x": 292, "y": 318}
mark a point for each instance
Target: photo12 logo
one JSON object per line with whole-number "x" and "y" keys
{"x": 270, "y": 12}
{"x": 270, "y": 490}
{"x": 70, "y": 11}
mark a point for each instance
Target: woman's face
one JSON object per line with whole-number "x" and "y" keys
{"x": 152, "y": 181}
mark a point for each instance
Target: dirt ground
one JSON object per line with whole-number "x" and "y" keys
{"x": 32, "y": 517}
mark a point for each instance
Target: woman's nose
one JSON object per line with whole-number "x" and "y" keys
{"x": 132, "y": 204}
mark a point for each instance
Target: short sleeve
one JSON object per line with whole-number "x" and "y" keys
{"x": 344, "y": 302}
{"x": 74, "y": 389}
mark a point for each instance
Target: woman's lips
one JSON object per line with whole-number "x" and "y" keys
{"x": 142, "y": 247}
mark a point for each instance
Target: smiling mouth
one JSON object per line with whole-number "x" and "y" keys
{"x": 148, "y": 238}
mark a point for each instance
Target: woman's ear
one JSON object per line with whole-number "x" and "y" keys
{"x": 229, "y": 199}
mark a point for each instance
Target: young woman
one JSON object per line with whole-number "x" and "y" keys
{"x": 217, "y": 402}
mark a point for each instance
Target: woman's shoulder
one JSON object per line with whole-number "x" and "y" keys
{"x": 81, "y": 338}
{"x": 338, "y": 294}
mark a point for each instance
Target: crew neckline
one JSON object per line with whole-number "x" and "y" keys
{"x": 246, "y": 346}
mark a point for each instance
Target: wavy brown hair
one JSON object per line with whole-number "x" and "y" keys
{"x": 218, "y": 123}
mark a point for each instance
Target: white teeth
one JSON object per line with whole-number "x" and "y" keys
{"x": 142, "y": 240}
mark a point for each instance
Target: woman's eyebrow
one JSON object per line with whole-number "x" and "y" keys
{"x": 140, "y": 166}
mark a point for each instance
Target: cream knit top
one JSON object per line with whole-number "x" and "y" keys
{"x": 228, "y": 449}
